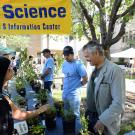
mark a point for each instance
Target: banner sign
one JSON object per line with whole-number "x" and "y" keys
{"x": 35, "y": 16}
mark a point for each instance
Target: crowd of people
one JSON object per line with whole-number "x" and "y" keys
{"x": 105, "y": 89}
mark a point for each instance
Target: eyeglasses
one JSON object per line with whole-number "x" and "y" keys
{"x": 10, "y": 67}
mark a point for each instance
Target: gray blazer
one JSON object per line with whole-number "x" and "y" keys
{"x": 109, "y": 96}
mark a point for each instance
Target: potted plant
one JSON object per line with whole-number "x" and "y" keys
{"x": 20, "y": 86}
{"x": 69, "y": 121}
{"x": 21, "y": 101}
{"x": 36, "y": 87}
{"x": 42, "y": 96}
{"x": 37, "y": 130}
{"x": 33, "y": 122}
{"x": 84, "y": 123}
{"x": 50, "y": 117}
{"x": 32, "y": 82}
{"x": 30, "y": 74}
{"x": 59, "y": 106}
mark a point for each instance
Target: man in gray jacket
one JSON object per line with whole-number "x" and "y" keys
{"x": 105, "y": 92}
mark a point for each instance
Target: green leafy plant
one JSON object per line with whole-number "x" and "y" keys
{"x": 33, "y": 121}
{"x": 59, "y": 61}
{"x": 23, "y": 55}
{"x": 36, "y": 86}
{"x": 21, "y": 101}
{"x": 42, "y": 96}
{"x": 68, "y": 120}
{"x": 37, "y": 130}
{"x": 20, "y": 83}
{"x": 29, "y": 73}
{"x": 58, "y": 103}
{"x": 68, "y": 115}
{"x": 59, "y": 106}
{"x": 51, "y": 112}
{"x": 84, "y": 123}
{"x": 127, "y": 127}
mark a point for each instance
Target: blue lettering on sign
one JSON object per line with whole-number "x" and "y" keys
{"x": 62, "y": 12}
{"x": 7, "y": 9}
{"x": 50, "y": 12}
{"x": 17, "y": 10}
{"x": 32, "y": 12}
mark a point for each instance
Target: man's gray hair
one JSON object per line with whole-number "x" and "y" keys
{"x": 93, "y": 46}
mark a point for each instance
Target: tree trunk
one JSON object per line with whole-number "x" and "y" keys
{"x": 107, "y": 53}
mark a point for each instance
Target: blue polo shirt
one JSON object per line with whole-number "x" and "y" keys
{"x": 49, "y": 64}
{"x": 73, "y": 72}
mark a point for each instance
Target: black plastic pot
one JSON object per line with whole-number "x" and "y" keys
{"x": 43, "y": 102}
{"x": 37, "y": 106}
{"x": 59, "y": 110}
{"x": 32, "y": 83}
{"x": 23, "y": 105}
{"x": 69, "y": 126}
{"x": 59, "y": 107}
{"x": 22, "y": 92}
{"x": 50, "y": 123}
{"x": 58, "y": 113}
{"x": 36, "y": 87}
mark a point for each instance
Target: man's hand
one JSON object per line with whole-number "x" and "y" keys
{"x": 45, "y": 73}
{"x": 99, "y": 127}
{"x": 84, "y": 80}
{"x": 42, "y": 77}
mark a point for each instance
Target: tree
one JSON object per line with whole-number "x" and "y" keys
{"x": 96, "y": 19}
{"x": 16, "y": 42}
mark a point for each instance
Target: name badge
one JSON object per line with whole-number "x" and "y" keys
{"x": 21, "y": 127}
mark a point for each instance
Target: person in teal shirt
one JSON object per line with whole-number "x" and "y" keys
{"x": 75, "y": 76}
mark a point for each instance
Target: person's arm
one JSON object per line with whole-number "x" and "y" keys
{"x": 118, "y": 98}
{"x": 47, "y": 71}
{"x": 84, "y": 80}
{"x": 18, "y": 114}
{"x": 49, "y": 67}
{"x": 82, "y": 72}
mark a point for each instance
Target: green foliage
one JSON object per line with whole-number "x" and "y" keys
{"x": 59, "y": 61}
{"x": 37, "y": 130}
{"x": 127, "y": 127}
{"x": 26, "y": 67}
{"x": 130, "y": 76}
{"x": 42, "y": 95}
{"x": 131, "y": 43}
{"x": 51, "y": 112}
{"x": 79, "y": 21}
{"x": 33, "y": 121}
{"x": 84, "y": 123}
{"x": 20, "y": 83}
{"x": 68, "y": 115}
{"x": 29, "y": 73}
{"x": 21, "y": 101}
{"x": 23, "y": 55}
{"x": 26, "y": 70}
{"x": 58, "y": 104}
{"x": 16, "y": 42}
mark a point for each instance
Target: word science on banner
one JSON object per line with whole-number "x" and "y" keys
{"x": 35, "y": 16}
